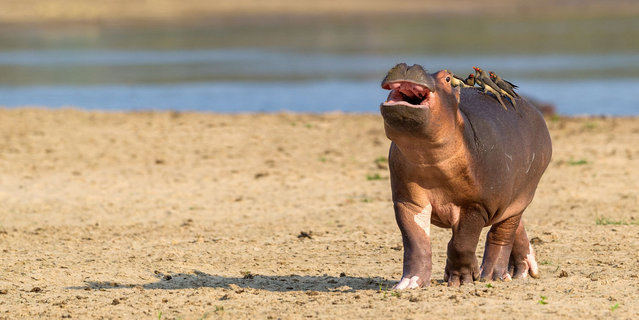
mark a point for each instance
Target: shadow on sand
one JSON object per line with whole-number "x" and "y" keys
{"x": 199, "y": 279}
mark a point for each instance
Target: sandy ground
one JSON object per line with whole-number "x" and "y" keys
{"x": 190, "y": 216}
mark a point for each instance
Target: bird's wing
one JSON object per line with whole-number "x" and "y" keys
{"x": 511, "y": 84}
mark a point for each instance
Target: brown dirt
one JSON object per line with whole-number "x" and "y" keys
{"x": 126, "y": 215}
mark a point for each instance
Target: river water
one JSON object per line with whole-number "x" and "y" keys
{"x": 306, "y": 68}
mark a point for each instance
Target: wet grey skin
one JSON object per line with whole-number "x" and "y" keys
{"x": 396, "y": 73}
{"x": 503, "y": 84}
{"x": 458, "y": 161}
{"x": 414, "y": 74}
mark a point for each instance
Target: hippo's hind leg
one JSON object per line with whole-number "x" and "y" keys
{"x": 499, "y": 244}
{"x": 522, "y": 257}
{"x": 414, "y": 223}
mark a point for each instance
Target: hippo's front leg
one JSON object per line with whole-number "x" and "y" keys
{"x": 461, "y": 262}
{"x": 414, "y": 223}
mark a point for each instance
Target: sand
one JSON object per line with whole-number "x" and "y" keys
{"x": 263, "y": 216}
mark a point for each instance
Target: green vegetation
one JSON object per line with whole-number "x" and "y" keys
{"x": 577, "y": 162}
{"x": 603, "y": 221}
{"x": 546, "y": 262}
{"x": 381, "y": 160}
{"x": 614, "y": 307}
{"x": 489, "y": 285}
{"x": 542, "y": 300}
{"x": 376, "y": 176}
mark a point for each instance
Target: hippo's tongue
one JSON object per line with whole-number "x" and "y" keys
{"x": 408, "y": 93}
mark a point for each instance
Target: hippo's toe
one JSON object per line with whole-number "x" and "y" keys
{"x": 408, "y": 283}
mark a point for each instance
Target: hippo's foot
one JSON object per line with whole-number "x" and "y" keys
{"x": 495, "y": 264}
{"x": 415, "y": 276}
{"x": 414, "y": 282}
{"x": 522, "y": 257}
{"x": 457, "y": 274}
{"x": 417, "y": 271}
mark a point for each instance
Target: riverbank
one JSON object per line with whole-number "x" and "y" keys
{"x": 127, "y": 215}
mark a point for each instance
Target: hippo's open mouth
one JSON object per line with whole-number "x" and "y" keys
{"x": 410, "y": 86}
{"x": 408, "y": 94}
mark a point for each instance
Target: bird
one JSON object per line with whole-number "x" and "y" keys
{"x": 483, "y": 80}
{"x": 458, "y": 81}
{"x": 486, "y": 79}
{"x": 470, "y": 80}
{"x": 504, "y": 84}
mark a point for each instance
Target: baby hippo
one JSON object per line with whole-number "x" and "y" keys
{"x": 459, "y": 160}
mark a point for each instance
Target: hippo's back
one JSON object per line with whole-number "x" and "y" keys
{"x": 511, "y": 147}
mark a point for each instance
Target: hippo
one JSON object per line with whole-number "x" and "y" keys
{"x": 459, "y": 160}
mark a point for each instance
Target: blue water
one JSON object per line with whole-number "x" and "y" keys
{"x": 250, "y": 80}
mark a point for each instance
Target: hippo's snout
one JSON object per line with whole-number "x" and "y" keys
{"x": 410, "y": 86}
{"x": 403, "y": 73}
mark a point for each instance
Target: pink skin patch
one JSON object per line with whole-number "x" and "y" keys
{"x": 407, "y": 283}
{"x": 533, "y": 268}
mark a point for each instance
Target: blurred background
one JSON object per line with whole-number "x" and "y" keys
{"x": 310, "y": 56}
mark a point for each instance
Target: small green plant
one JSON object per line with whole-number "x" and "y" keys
{"x": 218, "y": 309}
{"x": 590, "y": 125}
{"x": 542, "y": 300}
{"x": 373, "y": 177}
{"x": 396, "y": 294}
{"x": 555, "y": 118}
{"x": 323, "y": 159}
{"x": 308, "y": 125}
{"x": 579, "y": 162}
{"x": 614, "y": 307}
{"x": 381, "y": 160}
{"x": 365, "y": 200}
{"x": 159, "y": 315}
{"x": 489, "y": 285}
{"x": 546, "y": 262}
{"x": 603, "y": 221}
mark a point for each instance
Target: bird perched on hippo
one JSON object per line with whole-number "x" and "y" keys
{"x": 459, "y": 160}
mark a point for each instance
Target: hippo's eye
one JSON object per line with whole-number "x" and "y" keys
{"x": 447, "y": 79}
